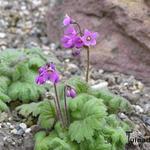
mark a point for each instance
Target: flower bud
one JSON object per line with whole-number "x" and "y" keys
{"x": 71, "y": 92}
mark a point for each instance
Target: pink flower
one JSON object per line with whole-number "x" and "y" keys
{"x": 78, "y": 43}
{"x": 67, "y": 41}
{"x": 89, "y": 38}
{"x": 67, "y": 20}
{"x": 40, "y": 80}
{"x": 71, "y": 92}
{"x": 71, "y": 39}
{"x": 47, "y": 72}
{"x": 70, "y": 30}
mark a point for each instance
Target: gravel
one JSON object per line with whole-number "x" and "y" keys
{"x": 22, "y": 23}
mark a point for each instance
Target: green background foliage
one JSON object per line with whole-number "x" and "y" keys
{"x": 18, "y": 69}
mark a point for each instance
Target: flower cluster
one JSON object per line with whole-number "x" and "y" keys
{"x": 75, "y": 39}
{"x": 47, "y": 73}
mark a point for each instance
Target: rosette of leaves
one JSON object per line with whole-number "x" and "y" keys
{"x": 18, "y": 69}
{"x": 94, "y": 124}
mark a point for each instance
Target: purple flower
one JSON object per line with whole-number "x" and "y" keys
{"x": 76, "y": 52}
{"x": 70, "y": 30}
{"x": 41, "y": 69}
{"x": 89, "y": 38}
{"x": 46, "y": 73}
{"x": 71, "y": 39}
{"x": 67, "y": 41}
{"x": 78, "y": 42}
{"x": 40, "y": 79}
{"x": 71, "y": 92}
{"x": 53, "y": 76}
{"x": 67, "y": 20}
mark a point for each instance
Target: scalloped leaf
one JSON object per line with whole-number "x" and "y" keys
{"x": 92, "y": 114}
{"x": 3, "y": 106}
{"x": 29, "y": 109}
{"x": 47, "y": 114}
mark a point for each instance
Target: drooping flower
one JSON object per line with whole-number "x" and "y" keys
{"x": 40, "y": 79}
{"x": 71, "y": 92}
{"x": 76, "y": 52}
{"x": 53, "y": 76}
{"x": 47, "y": 73}
{"x": 89, "y": 38}
{"x": 67, "y": 20}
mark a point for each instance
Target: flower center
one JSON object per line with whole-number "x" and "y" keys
{"x": 88, "y": 38}
{"x": 80, "y": 41}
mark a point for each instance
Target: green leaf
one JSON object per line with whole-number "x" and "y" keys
{"x": 4, "y": 97}
{"x": 3, "y": 106}
{"x": 41, "y": 142}
{"x": 52, "y": 142}
{"x": 24, "y": 91}
{"x": 80, "y": 85}
{"x": 92, "y": 113}
{"x": 104, "y": 94}
{"x": 119, "y": 138}
{"x": 47, "y": 114}
{"x": 29, "y": 109}
{"x": 35, "y": 62}
{"x": 4, "y": 82}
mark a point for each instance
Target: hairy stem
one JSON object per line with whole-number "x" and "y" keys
{"x": 66, "y": 109}
{"x": 88, "y": 63}
{"x": 55, "y": 102}
{"x": 58, "y": 104}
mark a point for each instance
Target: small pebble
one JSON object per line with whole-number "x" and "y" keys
{"x": 14, "y": 131}
{"x": 100, "y": 85}
{"x": 23, "y": 126}
{"x": 2, "y": 35}
{"x": 28, "y": 130}
{"x": 138, "y": 109}
{"x": 122, "y": 116}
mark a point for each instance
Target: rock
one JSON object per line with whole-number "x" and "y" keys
{"x": 3, "y": 117}
{"x": 122, "y": 116}
{"x": 147, "y": 108}
{"x": 124, "y": 31}
{"x": 53, "y": 46}
{"x": 146, "y": 120}
{"x": 133, "y": 98}
{"x": 20, "y": 132}
{"x": 138, "y": 109}
{"x": 28, "y": 130}
{"x": 2, "y": 35}
{"x": 96, "y": 74}
{"x": 14, "y": 131}
{"x": 28, "y": 142}
{"x": 100, "y": 85}
{"x": 23, "y": 126}
{"x": 72, "y": 68}
{"x": 110, "y": 79}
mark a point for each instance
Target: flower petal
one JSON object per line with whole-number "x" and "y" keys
{"x": 93, "y": 42}
{"x": 95, "y": 35}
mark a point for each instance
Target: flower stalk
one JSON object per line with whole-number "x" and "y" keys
{"x": 49, "y": 96}
{"x": 88, "y": 63}
{"x": 58, "y": 106}
{"x": 66, "y": 108}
